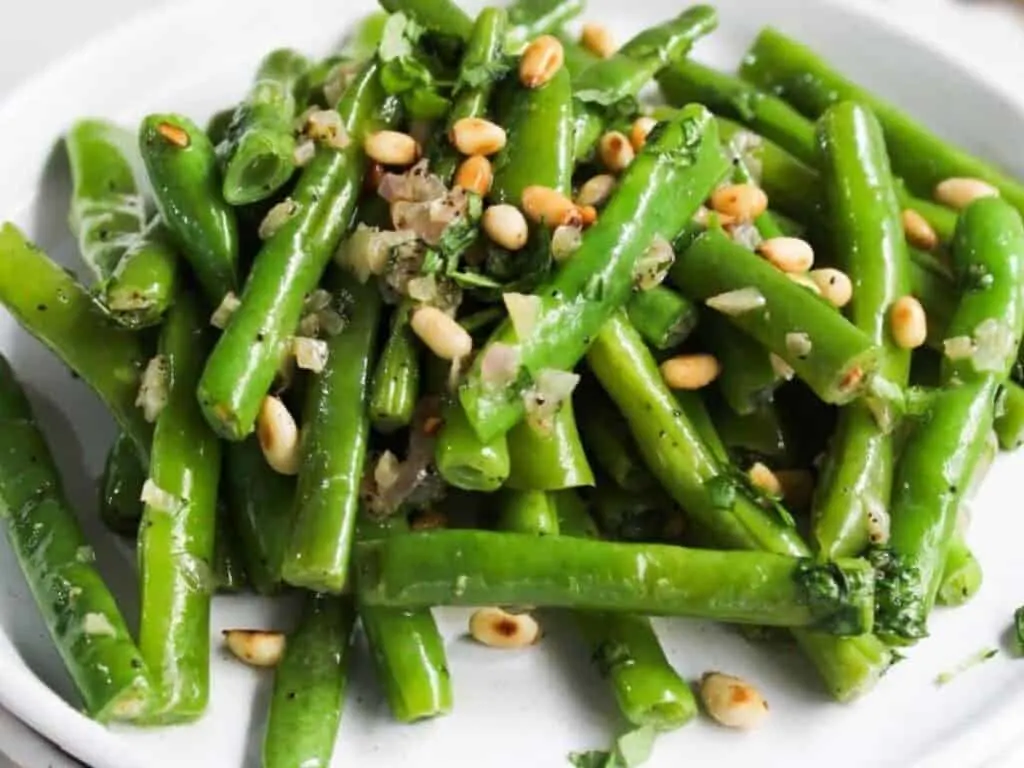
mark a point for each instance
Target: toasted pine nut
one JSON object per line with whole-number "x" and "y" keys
{"x": 541, "y": 61}
{"x": 476, "y": 136}
{"x": 789, "y": 254}
{"x": 918, "y": 231}
{"x": 445, "y": 337}
{"x": 506, "y": 226}
{"x": 960, "y": 192}
{"x": 175, "y": 134}
{"x": 588, "y": 215}
{"x": 804, "y": 280}
{"x": 909, "y": 323}
{"x": 596, "y": 190}
{"x": 638, "y": 132}
{"x": 731, "y": 701}
{"x": 765, "y": 480}
{"x": 598, "y": 39}
{"x": 797, "y": 487}
{"x": 741, "y": 202}
{"x": 428, "y": 520}
{"x": 544, "y": 205}
{"x": 475, "y": 175}
{"x": 278, "y": 436}
{"x": 255, "y": 647}
{"x": 500, "y": 629}
{"x": 391, "y": 148}
{"x": 834, "y": 285}
{"x": 616, "y": 152}
{"x": 690, "y": 371}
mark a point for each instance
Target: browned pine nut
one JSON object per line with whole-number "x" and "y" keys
{"x": 506, "y": 226}
{"x": 588, "y": 215}
{"x": 278, "y": 436}
{"x": 500, "y": 629}
{"x": 919, "y": 232}
{"x": 741, "y": 202}
{"x": 445, "y": 337}
{"x": 834, "y": 285}
{"x": 544, "y": 205}
{"x": 641, "y": 127}
{"x": 391, "y": 148}
{"x": 788, "y": 254}
{"x": 256, "y": 647}
{"x": 596, "y": 190}
{"x": 765, "y": 480}
{"x": 541, "y": 61}
{"x": 598, "y": 39}
{"x": 616, "y": 152}
{"x": 690, "y": 371}
{"x": 174, "y": 134}
{"x": 731, "y": 701}
{"x": 908, "y": 323}
{"x": 475, "y": 175}
{"x": 960, "y": 192}
{"x": 476, "y": 136}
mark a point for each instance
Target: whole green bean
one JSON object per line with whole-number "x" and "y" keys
{"x": 335, "y": 433}
{"x": 228, "y": 568}
{"x": 870, "y": 247}
{"x": 121, "y": 488}
{"x": 218, "y": 124}
{"x": 176, "y": 538}
{"x": 1010, "y": 417}
{"x": 309, "y": 686}
{"x": 693, "y": 407}
{"x": 258, "y": 152}
{"x": 961, "y": 574}
{"x": 688, "y": 468}
{"x": 758, "y": 435}
{"x": 46, "y": 539}
{"x": 577, "y": 58}
{"x": 464, "y": 460}
{"x": 792, "y": 71}
{"x": 396, "y": 379}
{"x": 442, "y": 17}
{"x": 548, "y": 457}
{"x": 182, "y": 166}
{"x": 261, "y": 503}
{"x": 828, "y": 352}
{"x": 134, "y": 268}
{"x": 531, "y": 18}
{"x": 658, "y": 193}
{"x": 54, "y": 308}
{"x": 607, "y": 441}
{"x": 528, "y": 512}
{"x": 468, "y": 567}
{"x": 749, "y": 378}
{"x": 241, "y": 368}
{"x": 664, "y": 317}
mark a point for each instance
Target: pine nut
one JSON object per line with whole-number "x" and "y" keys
{"x": 255, "y": 647}
{"x": 596, "y": 190}
{"x": 598, "y": 39}
{"x": 741, "y": 202}
{"x": 789, "y": 254}
{"x": 500, "y": 629}
{"x": 797, "y": 487}
{"x": 639, "y": 131}
{"x": 690, "y": 371}
{"x": 476, "y": 136}
{"x": 544, "y": 205}
{"x": 731, "y": 701}
{"x": 506, "y": 226}
{"x": 918, "y": 231}
{"x": 909, "y": 323}
{"x": 391, "y": 148}
{"x": 278, "y": 436}
{"x": 958, "y": 193}
{"x": 804, "y": 281}
{"x": 616, "y": 152}
{"x": 445, "y": 337}
{"x": 475, "y": 175}
{"x": 835, "y": 286}
{"x": 765, "y": 480}
{"x": 588, "y": 215}
{"x": 541, "y": 61}
{"x": 174, "y": 134}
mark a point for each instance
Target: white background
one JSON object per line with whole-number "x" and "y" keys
{"x": 34, "y": 33}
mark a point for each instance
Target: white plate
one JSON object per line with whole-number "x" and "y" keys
{"x": 512, "y": 709}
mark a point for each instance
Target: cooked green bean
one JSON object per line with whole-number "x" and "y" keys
{"x": 121, "y": 488}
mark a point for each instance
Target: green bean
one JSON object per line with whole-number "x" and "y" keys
{"x": 258, "y": 152}
{"x": 182, "y": 167}
{"x": 961, "y": 574}
{"x": 664, "y": 317}
{"x": 610, "y": 446}
{"x": 261, "y": 503}
{"x": 442, "y": 17}
{"x": 134, "y": 267}
{"x": 528, "y": 512}
{"x": 47, "y": 542}
{"x": 657, "y": 195}
{"x": 1010, "y": 417}
{"x": 531, "y": 18}
{"x": 758, "y": 435}
{"x": 464, "y": 460}
{"x": 228, "y": 569}
{"x": 577, "y": 58}
{"x": 548, "y": 457}
{"x": 121, "y": 488}
{"x": 834, "y": 357}
{"x": 218, "y": 124}
{"x": 396, "y": 379}
{"x": 749, "y": 378}
{"x": 55, "y": 309}
{"x": 176, "y": 538}
{"x": 334, "y": 442}
{"x": 309, "y": 686}
{"x": 242, "y": 366}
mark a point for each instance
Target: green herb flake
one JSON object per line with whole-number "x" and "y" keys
{"x": 722, "y": 491}
{"x": 632, "y": 749}
{"x": 967, "y": 664}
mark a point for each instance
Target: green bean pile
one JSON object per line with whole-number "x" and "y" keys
{"x": 454, "y": 317}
